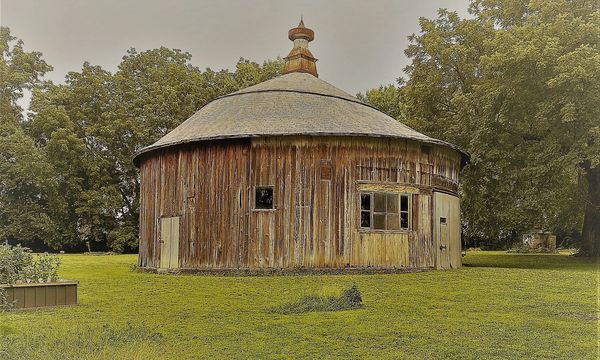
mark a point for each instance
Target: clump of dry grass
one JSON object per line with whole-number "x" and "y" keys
{"x": 350, "y": 298}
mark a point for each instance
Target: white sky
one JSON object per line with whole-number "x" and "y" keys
{"x": 360, "y": 44}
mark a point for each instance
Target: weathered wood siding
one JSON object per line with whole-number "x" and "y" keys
{"x": 316, "y": 182}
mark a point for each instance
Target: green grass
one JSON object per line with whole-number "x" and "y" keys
{"x": 499, "y": 306}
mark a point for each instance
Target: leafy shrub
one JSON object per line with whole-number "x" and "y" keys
{"x": 350, "y": 298}
{"x": 5, "y": 305}
{"x": 13, "y": 261}
{"x": 43, "y": 268}
{"x": 16, "y": 264}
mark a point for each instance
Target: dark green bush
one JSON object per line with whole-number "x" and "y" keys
{"x": 350, "y": 298}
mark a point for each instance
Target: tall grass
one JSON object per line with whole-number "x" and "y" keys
{"x": 350, "y": 298}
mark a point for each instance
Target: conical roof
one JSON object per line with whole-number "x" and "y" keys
{"x": 291, "y": 104}
{"x": 296, "y": 103}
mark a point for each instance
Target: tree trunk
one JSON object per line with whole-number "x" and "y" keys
{"x": 590, "y": 245}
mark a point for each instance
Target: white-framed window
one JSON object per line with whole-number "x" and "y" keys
{"x": 384, "y": 211}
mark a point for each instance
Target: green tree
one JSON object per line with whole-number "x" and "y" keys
{"x": 385, "y": 98}
{"x": 26, "y": 184}
{"x": 518, "y": 86}
{"x": 90, "y": 127}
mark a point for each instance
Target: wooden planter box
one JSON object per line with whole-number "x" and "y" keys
{"x": 34, "y": 295}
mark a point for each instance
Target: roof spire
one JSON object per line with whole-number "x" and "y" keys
{"x": 300, "y": 59}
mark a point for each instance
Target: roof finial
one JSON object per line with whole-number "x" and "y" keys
{"x": 300, "y": 59}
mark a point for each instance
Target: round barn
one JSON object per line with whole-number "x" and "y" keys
{"x": 295, "y": 173}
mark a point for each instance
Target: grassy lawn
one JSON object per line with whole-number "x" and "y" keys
{"x": 498, "y": 306}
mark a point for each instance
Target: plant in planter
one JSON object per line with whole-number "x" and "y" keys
{"x": 5, "y": 303}
{"x": 13, "y": 261}
{"x": 42, "y": 269}
{"x": 28, "y": 280}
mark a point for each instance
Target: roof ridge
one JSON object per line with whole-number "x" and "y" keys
{"x": 353, "y": 99}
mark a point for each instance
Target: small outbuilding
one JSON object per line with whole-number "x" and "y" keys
{"x": 537, "y": 239}
{"x": 296, "y": 173}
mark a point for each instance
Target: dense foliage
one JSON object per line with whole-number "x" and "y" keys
{"x": 18, "y": 265}
{"x": 66, "y": 170}
{"x": 517, "y": 85}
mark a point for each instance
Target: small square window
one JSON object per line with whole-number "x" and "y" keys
{"x": 263, "y": 198}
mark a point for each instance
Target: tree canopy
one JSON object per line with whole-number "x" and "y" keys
{"x": 517, "y": 85}
{"x": 69, "y": 175}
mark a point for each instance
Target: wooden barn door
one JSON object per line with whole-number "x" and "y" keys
{"x": 446, "y": 230}
{"x": 169, "y": 242}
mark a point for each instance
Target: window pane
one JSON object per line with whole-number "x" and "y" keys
{"x": 263, "y": 198}
{"x": 365, "y": 201}
{"x": 393, "y": 222}
{"x": 379, "y": 202}
{"x": 404, "y": 203}
{"x": 404, "y": 220}
{"x": 379, "y": 221}
{"x": 392, "y": 203}
{"x": 365, "y": 219}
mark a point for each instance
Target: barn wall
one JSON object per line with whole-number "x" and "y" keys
{"x": 315, "y": 221}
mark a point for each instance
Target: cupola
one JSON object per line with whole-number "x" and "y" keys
{"x": 300, "y": 59}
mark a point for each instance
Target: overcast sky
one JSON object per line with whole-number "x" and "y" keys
{"x": 359, "y": 43}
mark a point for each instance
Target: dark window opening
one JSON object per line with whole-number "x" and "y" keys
{"x": 263, "y": 198}
{"x": 442, "y": 220}
{"x": 365, "y": 201}
{"x": 365, "y": 210}
{"x": 384, "y": 211}
{"x": 365, "y": 219}
{"x": 404, "y": 211}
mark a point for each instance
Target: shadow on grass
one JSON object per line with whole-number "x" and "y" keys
{"x": 531, "y": 261}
